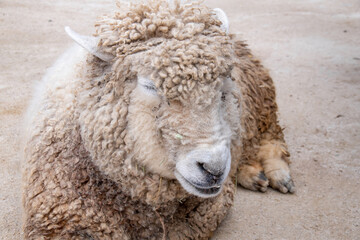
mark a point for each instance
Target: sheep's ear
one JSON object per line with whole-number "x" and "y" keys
{"x": 90, "y": 44}
{"x": 221, "y": 15}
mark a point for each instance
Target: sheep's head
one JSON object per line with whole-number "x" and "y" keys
{"x": 183, "y": 107}
{"x": 189, "y": 139}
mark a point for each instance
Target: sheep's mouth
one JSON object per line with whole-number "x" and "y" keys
{"x": 212, "y": 190}
{"x": 205, "y": 190}
{"x": 196, "y": 189}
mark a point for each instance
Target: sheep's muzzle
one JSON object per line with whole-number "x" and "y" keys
{"x": 203, "y": 170}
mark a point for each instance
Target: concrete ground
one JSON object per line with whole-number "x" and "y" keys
{"x": 312, "y": 48}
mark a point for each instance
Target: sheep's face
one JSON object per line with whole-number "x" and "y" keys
{"x": 183, "y": 114}
{"x": 185, "y": 139}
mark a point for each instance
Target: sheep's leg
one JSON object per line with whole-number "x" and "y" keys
{"x": 251, "y": 176}
{"x": 273, "y": 155}
{"x": 265, "y": 162}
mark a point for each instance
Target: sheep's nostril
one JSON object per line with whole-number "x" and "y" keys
{"x": 212, "y": 174}
{"x": 215, "y": 177}
{"x": 201, "y": 165}
{"x": 204, "y": 168}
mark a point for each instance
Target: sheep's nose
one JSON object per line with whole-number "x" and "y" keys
{"x": 213, "y": 175}
{"x": 216, "y": 173}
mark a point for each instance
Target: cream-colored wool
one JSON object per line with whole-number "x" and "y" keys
{"x": 102, "y": 150}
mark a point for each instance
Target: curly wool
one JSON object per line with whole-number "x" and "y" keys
{"x": 82, "y": 179}
{"x": 187, "y": 43}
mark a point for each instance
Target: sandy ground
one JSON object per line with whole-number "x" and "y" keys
{"x": 312, "y": 49}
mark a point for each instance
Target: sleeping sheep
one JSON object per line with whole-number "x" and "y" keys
{"x": 144, "y": 130}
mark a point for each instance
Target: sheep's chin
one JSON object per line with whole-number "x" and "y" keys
{"x": 203, "y": 193}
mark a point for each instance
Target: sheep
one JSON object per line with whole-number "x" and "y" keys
{"x": 145, "y": 129}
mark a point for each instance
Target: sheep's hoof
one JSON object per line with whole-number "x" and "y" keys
{"x": 285, "y": 185}
{"x": 279, "y": 177}
{"x": 252, "y": 177}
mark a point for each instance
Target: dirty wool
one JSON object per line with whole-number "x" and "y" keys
{"x": 108, "y": 128}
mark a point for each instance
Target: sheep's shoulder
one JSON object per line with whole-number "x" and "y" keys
{"x": 258, "y": 92}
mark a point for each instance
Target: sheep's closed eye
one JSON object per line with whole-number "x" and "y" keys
{"x": 147, "y": 85}
{"x": 223, "y": 96}
{"x": 228, "y": 85}
{"x": 150, "y": 87}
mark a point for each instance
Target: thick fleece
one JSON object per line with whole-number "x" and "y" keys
{"x": 85, "y": 176}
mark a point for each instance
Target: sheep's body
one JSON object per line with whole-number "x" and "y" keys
{"x": 74, "y": 188}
